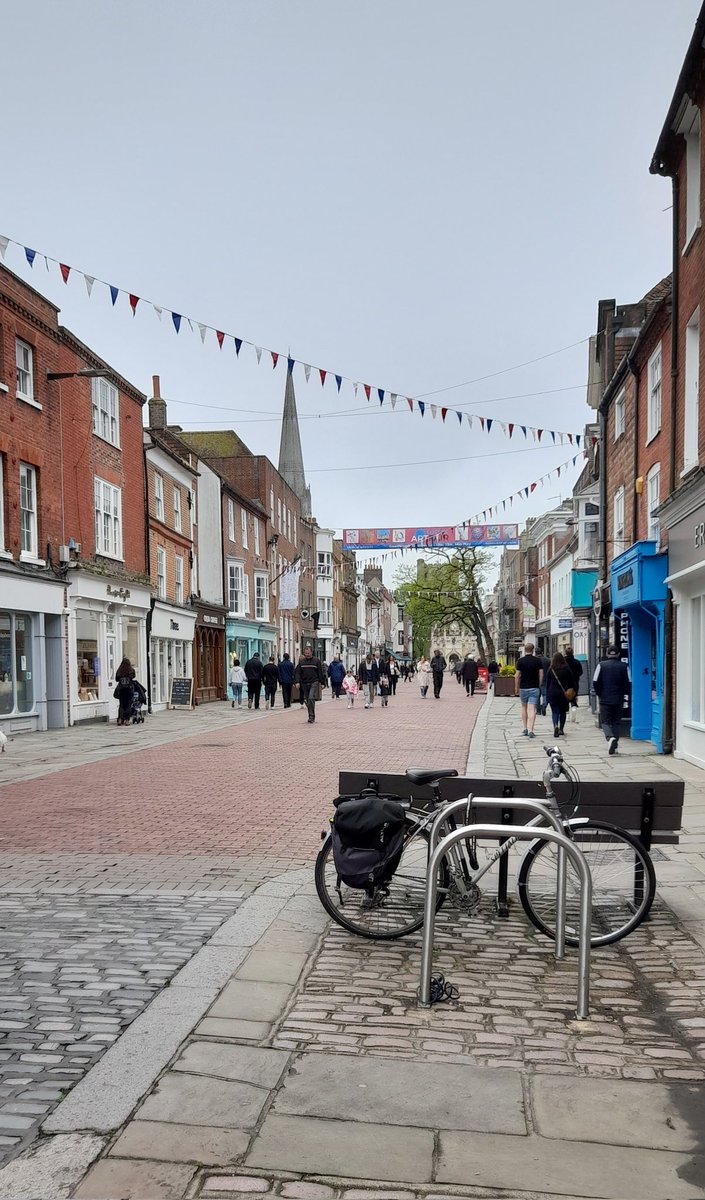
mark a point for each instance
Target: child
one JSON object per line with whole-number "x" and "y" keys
{"x": 384, "y": 688}
{"x": 350, "y": 686}
{"x": 237, "y": 678}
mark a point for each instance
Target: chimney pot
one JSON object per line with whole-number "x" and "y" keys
{"x": 155, "y": 387}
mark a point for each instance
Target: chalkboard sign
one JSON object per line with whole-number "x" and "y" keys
{"x": 181, "y": 693}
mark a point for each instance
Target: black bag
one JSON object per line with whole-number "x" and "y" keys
{"x": 368, "y": 839}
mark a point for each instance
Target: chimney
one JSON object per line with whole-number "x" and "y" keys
{"x": 157, "y": 407}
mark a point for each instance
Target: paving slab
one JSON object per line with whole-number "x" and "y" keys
{"x": 537, "y": 1164}
{"x": 273, "y": 966}
{"x": 167, "y": 1142}
{"x": 250, "y": 1064}
{"x": 202, "y": 1100}
{"x": 620, "y": 1113}
{"x": 251, "y": 1000}
{"x": 213, "y": 966}
{"x": 351, "y": 1149}
{"x": 283, "y": 936}
{"x": 122, "y": 1179}
{"x": 393, "y": 1091}
{"x": 224, "y": 1027}
{"x": 51, "y": 1169}
{"x": 251, "y": 920}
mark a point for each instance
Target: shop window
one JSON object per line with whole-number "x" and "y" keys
{"x": 87, "y": 660}
{"x": 106, "y": 411}
{"x": 697, "y": 645}
{"x": 131, "y": 640}
{"x": 28, "y": 510}
{"x": 16, "y": 681}
{"x": 24, "y": 360}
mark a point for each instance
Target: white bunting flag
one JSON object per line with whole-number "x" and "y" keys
{"x": 258, "y": 352}
{"x": 89, "y": 281}
{"x": 4, "y": 243}
{"x": 202, "y": 331}
{"x": 468, "y": 417}
{"x": 393, "y": 398}
{"x": 157, "y": 310}
{"x": 190, "y": 322}
{"x": 307, "y": 371}
{"x": 434, "y": 410}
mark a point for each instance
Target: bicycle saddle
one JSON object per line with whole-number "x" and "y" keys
{"x": 419, "y": 776}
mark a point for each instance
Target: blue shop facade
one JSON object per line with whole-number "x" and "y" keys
{"x": 244, "y": 638}
{"x": 638, "y": 591}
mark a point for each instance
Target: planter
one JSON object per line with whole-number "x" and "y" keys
{"x": 504, "y": 685}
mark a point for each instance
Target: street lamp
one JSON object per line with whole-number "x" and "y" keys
{"x": 84, "y": 373}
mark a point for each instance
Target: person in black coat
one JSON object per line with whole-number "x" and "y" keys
{"x": 438, "y": 666}
{"x": 270, "y": 679}
{"x": 310, "y": 677}
{"x": 559, "y": 681}
{"x": 575, "y": 665}
{"x": 286, "y": 678}
{"x": 369, "y": 678}
{"x": 469, "y": 672}
{"x": 611, "y": 683}
{"x": 253, "y": 674}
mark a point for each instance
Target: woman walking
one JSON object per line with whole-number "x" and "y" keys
{"x": 423, "y": 671}
{"x": 236, "y": 680}
{"x": 393, "y": 672}
{"x": 560, "y": 689}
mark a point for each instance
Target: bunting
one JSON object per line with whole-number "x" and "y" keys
{"x": 523, "y": 492}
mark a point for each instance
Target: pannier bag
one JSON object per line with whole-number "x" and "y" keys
{"x": 368, "y": 839}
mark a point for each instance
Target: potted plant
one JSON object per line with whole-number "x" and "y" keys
{"x": 504, "y": 683}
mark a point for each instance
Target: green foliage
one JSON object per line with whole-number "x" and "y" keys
{"x": 445, "y": 590}
{"x": 508, "y": 670}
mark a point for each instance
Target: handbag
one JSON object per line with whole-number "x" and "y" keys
{"x": 295, "y": 691}
{"x": 315, "y": 690}
{"x": 569, "y": 693}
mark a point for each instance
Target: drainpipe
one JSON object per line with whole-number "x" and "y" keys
{"x": 668, "y": 697}
{"x": 635, "y": 376}
{"x": 148, "y": 563}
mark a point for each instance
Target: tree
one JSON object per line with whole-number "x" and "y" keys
{"x": 446, "y": 590}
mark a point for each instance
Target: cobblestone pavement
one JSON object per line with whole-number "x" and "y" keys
{"x": 73, "y": 974}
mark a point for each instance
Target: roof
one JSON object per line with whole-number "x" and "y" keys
{"x": 654, "y": 302}
{"x": 216, "y": 443}
{"x": 662, "y": 161}
{"x": 68, "y": 337}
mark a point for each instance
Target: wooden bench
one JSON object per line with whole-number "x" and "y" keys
{"x": 651, "y": 811}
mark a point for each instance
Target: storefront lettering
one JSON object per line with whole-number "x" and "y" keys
{"x": 626, "y": 579}
{"x": 121, "y": 592}
{"x": 173, "y": 624}
{"x": 209, "y": 620}
{"x": 700, "y": 535}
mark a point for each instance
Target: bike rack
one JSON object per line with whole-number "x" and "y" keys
{"x": 538, "y": 806}
{"x": 524, "y": 833}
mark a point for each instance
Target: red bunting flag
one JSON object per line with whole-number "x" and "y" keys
{"x": 533, "y": 487}
{"x": 322, "y": 374}
{"x": 510, "y": 427}
{"x": 367, "y": 390}
{"x": 134, "y": 301}
{"x": 275, "y": 358}
{"x": 539, "y": 434}
{"x": 221, "y": 338}
{"x": 444, "y": 413}
{"x": 482, "y": 422}
{"x": 65, "y": 272}
{"x": 410, "y": 402}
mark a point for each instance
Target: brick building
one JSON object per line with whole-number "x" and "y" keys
{"x": 345, "y": 603}
{"x": 33, "y": 581}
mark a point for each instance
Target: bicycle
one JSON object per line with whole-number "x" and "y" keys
{"x": 623, "y": 877}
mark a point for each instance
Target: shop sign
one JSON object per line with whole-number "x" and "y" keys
{"x": 626, "y": 579}
{"x": 173, "y": 624}
{"x": 211, "y": 619}
{"x": 686, "y": 542}
{"x": 121, "y": 593}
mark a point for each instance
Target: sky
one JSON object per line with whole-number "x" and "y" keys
{"x": 412, "y": 195}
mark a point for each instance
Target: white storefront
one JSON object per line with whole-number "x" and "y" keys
{"x": 107, "y": 623}
{"x": 684, "y": 517}
{"x": 170, "y": 649}
{"x": 32, "y": 652}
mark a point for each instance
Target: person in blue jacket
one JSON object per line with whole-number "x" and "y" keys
{"x": 336, "y": 674}
{"x": 286, "y": 679}
{"x": 611, "y": 683}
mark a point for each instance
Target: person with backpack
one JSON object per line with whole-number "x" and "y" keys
{"x": 310, "y": 677}
{"x": 124, "y": 691}
{"x": 559, "y": 692}
{"x": 576, "y": 667}
{"x": 236, "y": 679}
{"x": 253, "y": 673}
{"x": 612, "y": 683}
{"x": 270, "y": 679}
{"x": 286, "y": 678}
{"x": 336, "y": 674}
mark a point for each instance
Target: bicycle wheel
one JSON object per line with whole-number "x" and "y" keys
{"x": 623, "y": 883}
{"x": 394, "y": 910}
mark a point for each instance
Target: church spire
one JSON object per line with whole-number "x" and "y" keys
{"x": 291, "y": 459}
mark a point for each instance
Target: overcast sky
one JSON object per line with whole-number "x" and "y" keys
{"x": 413, "y": 194}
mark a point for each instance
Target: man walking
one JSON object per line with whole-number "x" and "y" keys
{"x": 493, "y": 671}
{"x": 438, "y": 666}
{"x": 286, "y": 678}
{"x": 576, "y": 669}
{"x": 469, "y": 673}
{"x": 611, "y": 683}
{"x": 310, "y": 677}
{"x": 270, "y": 679}
{"x": 336, "y": 674}
{"x": 253, "y": 674}
{"x": 369, "y": 678}
{"x": 528, "y": 682}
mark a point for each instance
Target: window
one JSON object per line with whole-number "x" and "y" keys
{"x": 158, "y": 496}
{"x": 692, "y": 195}
{"x": 243, "y": 523}
{"x": 105, "y": 411}
{"x": 654, "y": 411}
{"x": 28, "y": 511}
{"x": 324, "y": 564}
{"x": 653, "y": 499}
{"x": 296, "y": 535}
{"x": 194, "y": 573}
{"x": 279, "y": 514}
{"x": 237, "y": 599}
{"x": 400, "y": 612}
{"x": 619, "y": 414}
{"x": 271, "y": 505}
{"x": 288, "y": 523}
{"x": 256, "y": 526}
{"x": 325, "y": 607}
{"x": 400, "y": 637}
{"x": 161, "y": 572}
{"x": 108, "y": 519}
{"x": 697, "y": 677}
{"x": 177, "y": 508}
{"x": 231, "y": 520}
{"x": 261, "y": 598}
{"x": 16, "y": 686}
{"x": 618, "y": 523}
{"x": 24, "y": 358}
{"x": 179, "y": 579}
{"x": 194, "y": 510}
{"x": 692, "y": 393}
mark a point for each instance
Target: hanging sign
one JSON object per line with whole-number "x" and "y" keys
{"x": 430, "y": 537}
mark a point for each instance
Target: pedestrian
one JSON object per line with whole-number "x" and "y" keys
{"x": 438, "y": 666}
{"x": 336, "y": 674}
{"x": 350, "y": 687}
{"x": 393, "y": 675}
{"x": 369, "y": 677}
{"x": 424, "y": 674}
{"x": 270, "y": 679}
{"x": 310, "y": 678}
{"x": 545, "y": 665}
{"x": 559, "y": 692}
{"x": 384, "y": 687}
{"x": 458, "y": 670}
{"x": 253, "y": 673}
{"x": 493, "y": 671}
{"x": 612, "y": 683}
{"x": 124, "y": 691}
{"x": 236, "y": 679}
{"x": 286, "y": 678}
{"x": 469, "y": 673}
{"x": 527, "y": 686}
{"x": 576, "y": 667}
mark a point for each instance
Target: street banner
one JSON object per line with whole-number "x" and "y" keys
{"x": 430, "y": 537}
{"x": 289, "y": 590}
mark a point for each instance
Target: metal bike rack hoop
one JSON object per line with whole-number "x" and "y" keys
{"x": 523, "y": 833}
{"x": 546, "y": 813}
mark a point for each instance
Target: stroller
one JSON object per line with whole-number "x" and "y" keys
{"x": 131, "y": 697}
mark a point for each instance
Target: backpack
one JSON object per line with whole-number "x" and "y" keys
{"x": 368, "y": 839}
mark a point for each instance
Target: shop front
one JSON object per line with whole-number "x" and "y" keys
{"x": 638, "y": 592}
{"x": 209, "y": 654}
{"x": 170, "y": 650}
{"x": 32, "y": 652}
{"x": 541, "y": 637}
{"x": 107, "y": 622}
{"x": 684, "y": 517}
{"x": 583, "y": 585}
